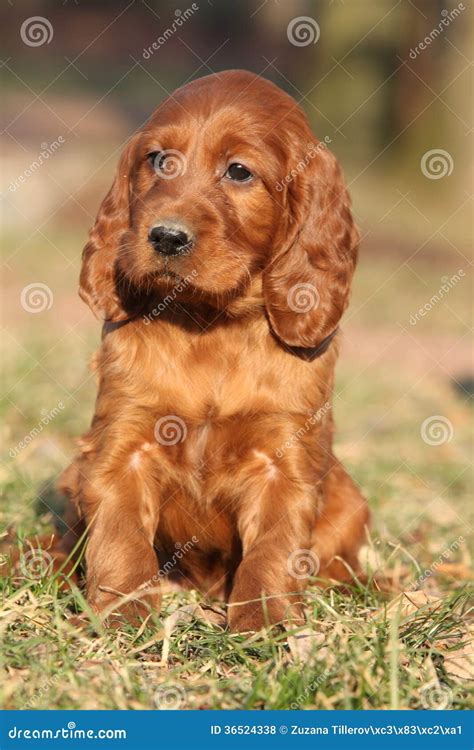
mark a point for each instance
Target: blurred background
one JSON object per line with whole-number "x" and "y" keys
{"x": 389, "y": 83}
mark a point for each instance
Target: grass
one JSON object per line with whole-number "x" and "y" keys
{"x": 52, "y": 664}
{"x": 371, "y": 647}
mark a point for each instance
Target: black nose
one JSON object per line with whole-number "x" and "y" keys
{"x": 169, "y": 240}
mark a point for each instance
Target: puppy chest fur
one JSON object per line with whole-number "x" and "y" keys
{"x": 185, "y": 426}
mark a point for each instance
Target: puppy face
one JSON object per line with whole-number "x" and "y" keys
{"x": 226, "y": 181}
{"x": 202, "y": 197}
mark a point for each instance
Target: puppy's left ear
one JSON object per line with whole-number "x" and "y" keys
{"x": 307, "y": 282}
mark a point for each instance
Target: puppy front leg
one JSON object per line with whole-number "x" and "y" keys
{"x": 275, "y": 530}
{"x": 120, "y": 557}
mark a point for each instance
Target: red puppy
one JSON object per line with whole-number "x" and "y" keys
{"x": 221, "y": 262}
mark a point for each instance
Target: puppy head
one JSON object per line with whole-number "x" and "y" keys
{"x": 201, "y": 203}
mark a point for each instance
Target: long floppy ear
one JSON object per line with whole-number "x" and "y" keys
{"x": 306, "y": 285}
{"x": 97, "y": 285}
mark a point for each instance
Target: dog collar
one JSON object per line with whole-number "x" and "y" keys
{"x": 307, "y": 353}
{"x": 312, "y": 352}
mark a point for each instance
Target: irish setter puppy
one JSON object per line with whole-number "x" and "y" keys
{"x": 220, "y": 262}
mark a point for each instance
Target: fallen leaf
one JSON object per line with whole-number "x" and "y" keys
{"x": 457, "y": 570}
{"x": 460, "y": 663}
{"x": 301, "y": 644}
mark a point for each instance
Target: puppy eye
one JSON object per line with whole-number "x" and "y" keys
{"x": 238, "y": 173}
{"x": 157, "y": 160}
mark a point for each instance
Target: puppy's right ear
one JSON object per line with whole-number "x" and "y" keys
{"x": 97, "y": 285}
